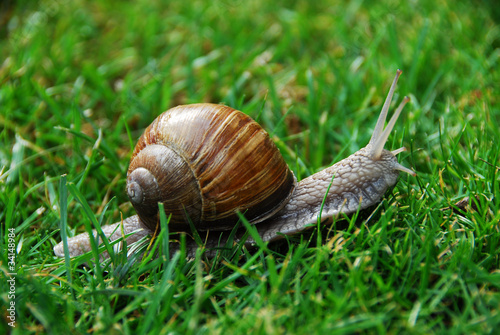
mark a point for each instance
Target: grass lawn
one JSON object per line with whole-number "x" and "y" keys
{"x": 80, "y": 80}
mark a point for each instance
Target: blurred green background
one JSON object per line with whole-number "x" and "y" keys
{"x": 80, "y": 80}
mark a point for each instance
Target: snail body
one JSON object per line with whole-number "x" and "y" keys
{"x": 206, "y": 163}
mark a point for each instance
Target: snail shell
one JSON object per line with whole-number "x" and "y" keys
{"x": 205, "y": 163}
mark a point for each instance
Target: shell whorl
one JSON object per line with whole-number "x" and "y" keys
{"x": 159, "y": 174}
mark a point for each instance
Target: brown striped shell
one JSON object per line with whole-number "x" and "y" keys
{"x": 206, "y": 162}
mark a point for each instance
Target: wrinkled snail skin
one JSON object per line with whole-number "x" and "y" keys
{"x": 80, "y": 244}
{"x": 355, "y": 183}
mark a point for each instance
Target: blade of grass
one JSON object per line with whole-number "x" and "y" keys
{"x": 63, "y": 226}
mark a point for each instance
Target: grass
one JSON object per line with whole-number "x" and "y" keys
{"x": 80, "y": 81}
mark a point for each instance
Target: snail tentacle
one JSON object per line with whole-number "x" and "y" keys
{"x": 378, "y": 146}
{"x": 379, "y": 127}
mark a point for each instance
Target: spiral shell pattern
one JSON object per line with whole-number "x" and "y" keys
{"x": 205, "y": 163}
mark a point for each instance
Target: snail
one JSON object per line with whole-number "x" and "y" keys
{"x": 206, "y": 163}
